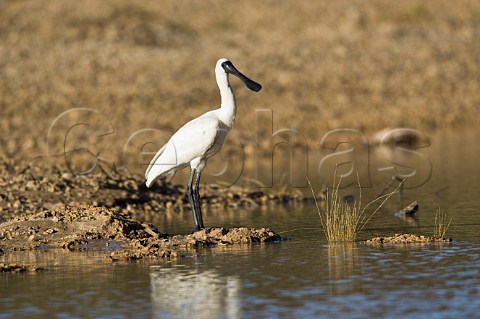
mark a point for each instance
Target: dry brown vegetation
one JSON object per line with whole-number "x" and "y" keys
{"x": 359, "y": 64}
{"x": 342, "y": 221}
{"x": 442, "y": 223}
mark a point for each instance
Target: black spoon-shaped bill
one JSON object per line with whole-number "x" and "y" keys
{"x": 252, "y": 85}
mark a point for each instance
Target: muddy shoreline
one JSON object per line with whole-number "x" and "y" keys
{"x": 51, "y": 208}
{"x": 26, "y": 189}
{"x": 405, "y": 239}
{"x": 44, "y": 209}
{"x": 85, "y": 227}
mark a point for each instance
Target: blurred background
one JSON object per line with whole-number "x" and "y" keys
{"x": 117, "y": 77}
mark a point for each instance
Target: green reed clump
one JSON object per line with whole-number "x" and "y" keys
{"x": 341, "y": 221}
{"x": 441, "y": 224}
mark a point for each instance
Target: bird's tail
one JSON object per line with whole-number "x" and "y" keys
{"x": 151, "y": 179}
{"x": 149, "y": 182}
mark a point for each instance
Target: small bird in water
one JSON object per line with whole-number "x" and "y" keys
{"x": 198, "y": 140}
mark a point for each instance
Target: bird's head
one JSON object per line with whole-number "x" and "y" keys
{"x": 227, "y": 67}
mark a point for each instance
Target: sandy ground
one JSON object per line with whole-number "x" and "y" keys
{"x": 128, "y": 75}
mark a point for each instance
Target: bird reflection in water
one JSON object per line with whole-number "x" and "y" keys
{"x": 188, "y": 293}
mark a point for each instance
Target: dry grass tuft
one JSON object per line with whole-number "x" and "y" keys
{"x": 441, "y": 224}
{"x": 342, "y": 221}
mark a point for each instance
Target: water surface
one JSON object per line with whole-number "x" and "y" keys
{"x": 301, "y": 277}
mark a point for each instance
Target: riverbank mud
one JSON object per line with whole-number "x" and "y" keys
{"x": 405, "y": 239}
{"x": 87, "y": 227}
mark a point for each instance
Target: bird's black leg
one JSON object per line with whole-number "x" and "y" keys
{"x": 191, "y": 199}
{"x": 196, "y": 196}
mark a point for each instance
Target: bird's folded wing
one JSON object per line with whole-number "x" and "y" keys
{"x": 191, "y": 141}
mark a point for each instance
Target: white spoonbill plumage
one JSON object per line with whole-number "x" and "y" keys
{"x": 198, "y": 140}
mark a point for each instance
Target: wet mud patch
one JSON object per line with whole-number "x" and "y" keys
{"x": 405, "y": 239}
{"x": 88, "y": 227}
{"x": 17, "y": 268}
{"x": 67, "y": 226}
{"x": 34, "y": 188}
{"x": 171, "y": 247}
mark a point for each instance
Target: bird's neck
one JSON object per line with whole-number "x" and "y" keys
{"x": 228, "y": 107}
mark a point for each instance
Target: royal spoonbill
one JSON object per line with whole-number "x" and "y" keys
{"x": 198, "y": 140}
